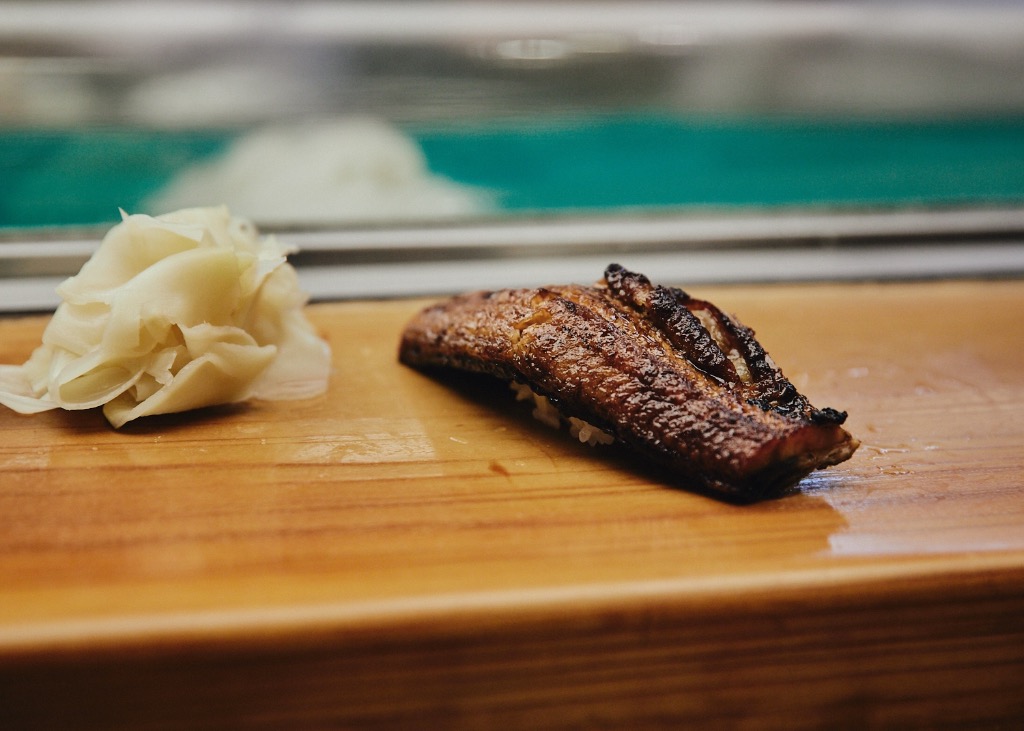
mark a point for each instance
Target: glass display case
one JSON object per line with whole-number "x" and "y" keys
{"x": 407, "y": 148}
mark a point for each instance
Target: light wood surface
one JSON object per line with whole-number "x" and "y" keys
{"x": 416, "y": 553}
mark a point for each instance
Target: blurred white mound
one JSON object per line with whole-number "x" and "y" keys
{"x": 355, "y": 170}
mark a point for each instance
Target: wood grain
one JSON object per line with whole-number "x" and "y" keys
{"x": 415, "y": 552}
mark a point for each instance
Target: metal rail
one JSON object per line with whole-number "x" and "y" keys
{"x": 438, "y": 259}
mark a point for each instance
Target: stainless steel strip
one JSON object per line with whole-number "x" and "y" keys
{"x": 676, "y": 230}
{"x": 404, "y": 278}
{"x": 683, "y": 268}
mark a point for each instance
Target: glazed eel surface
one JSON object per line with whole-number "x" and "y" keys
{"x": 669, "y": 375}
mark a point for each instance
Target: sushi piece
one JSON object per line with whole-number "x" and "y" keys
{"x": 671, "y": 376}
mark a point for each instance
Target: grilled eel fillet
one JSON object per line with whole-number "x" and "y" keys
{"x": 667, "y": 374}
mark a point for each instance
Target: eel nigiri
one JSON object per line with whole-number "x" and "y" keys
{"x": 671, "y": 376}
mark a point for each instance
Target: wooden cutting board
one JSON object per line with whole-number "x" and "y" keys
{"x": 420, "y": 553}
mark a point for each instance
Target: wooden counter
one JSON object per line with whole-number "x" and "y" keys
{"x": 422, "y": 554}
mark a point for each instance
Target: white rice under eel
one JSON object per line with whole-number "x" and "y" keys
{"x": 545, "y": 412}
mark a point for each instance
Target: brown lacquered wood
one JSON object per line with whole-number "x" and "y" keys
{"x": 415, "y": 552}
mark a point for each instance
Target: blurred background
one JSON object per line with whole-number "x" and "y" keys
{"x": 422, "y": 147}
